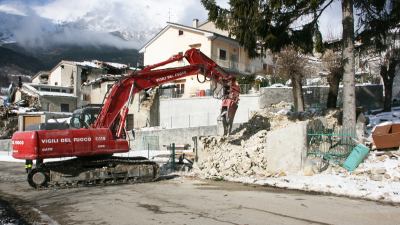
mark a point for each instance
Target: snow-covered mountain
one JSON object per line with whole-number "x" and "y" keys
{"x": 8, "y": 23}
{"x": 32, "y": 31}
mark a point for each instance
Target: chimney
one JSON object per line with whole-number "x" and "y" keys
{"x": 195, "y": 23}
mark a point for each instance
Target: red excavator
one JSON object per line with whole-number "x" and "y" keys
{"x": 93, "y": 145}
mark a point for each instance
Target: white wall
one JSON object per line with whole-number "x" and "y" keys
{"x": 62, "y": 76}
{"x": 170, "y": 43}
{"x": 210, "y": 26}
{"x": 201, "y": 111}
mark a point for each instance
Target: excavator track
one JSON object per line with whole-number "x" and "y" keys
{"x": 79, "y": 172}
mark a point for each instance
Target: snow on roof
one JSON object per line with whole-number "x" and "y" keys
{"x": 89, "y": 64}
{"x": 102, "y": 78}
{"x": 59, "y": 94}
{"x": 30, "y": 90}
{"x": 116, "y": 65}
{"x": 49, "y": 113}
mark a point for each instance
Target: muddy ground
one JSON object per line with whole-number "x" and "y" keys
{"x": 183, "y": 201}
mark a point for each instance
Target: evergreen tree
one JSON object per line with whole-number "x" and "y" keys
{"x": 271, "y": 24}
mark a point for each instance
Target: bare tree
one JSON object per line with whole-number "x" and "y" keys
{"x": 388, "y": 72}
{"x": 291, "y": 65}
{"x": 333, "y": 63}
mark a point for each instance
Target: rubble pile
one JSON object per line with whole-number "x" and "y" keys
{"x": 242, "y": 153}
{"x": 29, "y": 101}
{"x": 228, "y": 156}
{"x": 9, "y": 114}
{"x": 148, "y": 99}
{"x": 8, "y": 122}
{"x": 377, "y": 167}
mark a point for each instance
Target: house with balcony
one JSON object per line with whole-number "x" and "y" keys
{"x": 215, "y": 43}
{"x": 71, "y": 85}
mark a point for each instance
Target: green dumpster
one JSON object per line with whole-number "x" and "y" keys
{"x": 356, "y": 156}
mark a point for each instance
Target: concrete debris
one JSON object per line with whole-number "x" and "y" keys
{"x": 376, "y": 168}
{"x": 243, "y": 153}
{"x": 9, "y": 114}
{"x": 8, "y": 122}
{"x": 228, "y": 156}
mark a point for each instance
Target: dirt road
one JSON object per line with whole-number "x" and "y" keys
{"x": 184, "y": 201}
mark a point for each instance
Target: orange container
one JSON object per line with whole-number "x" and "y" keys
{"x": 386, "y": 135}
{"x": 202, "y": 93}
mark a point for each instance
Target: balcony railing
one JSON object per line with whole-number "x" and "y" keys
{"x": 236, "y": 66}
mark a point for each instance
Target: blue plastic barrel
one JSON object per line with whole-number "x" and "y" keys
{"x": 356, "y": 156}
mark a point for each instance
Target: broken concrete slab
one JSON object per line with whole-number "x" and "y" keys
{"x": 286, "y": 148}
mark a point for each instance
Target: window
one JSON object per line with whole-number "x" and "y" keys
{"x": 181, "y": 89}
{"x": 180, "y": 32}
{"x": 76, "y": 123}
{"x": 222, "y": 54}
{"x": 86, "y": 97}
{"x": 55, "y": 90}
{"x": 64, "y": 107}
{"x": 56, "y": 83}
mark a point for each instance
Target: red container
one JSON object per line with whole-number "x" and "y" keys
{"x": 202, "y": 93}
{"x": 386, "y": 135}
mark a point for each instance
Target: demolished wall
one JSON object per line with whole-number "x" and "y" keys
{"x": 272, "y": 143}
{"x": 145, "y": 109}
{"x": 8, "y": 123}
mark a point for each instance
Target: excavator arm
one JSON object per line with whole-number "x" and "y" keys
{"x": 115, "y": 109}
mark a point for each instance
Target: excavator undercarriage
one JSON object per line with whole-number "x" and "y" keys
{"x": 93, "y": 171}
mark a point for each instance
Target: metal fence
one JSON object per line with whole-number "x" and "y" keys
{"x": 150, "y": 143}
{"x": 331, "y": 144}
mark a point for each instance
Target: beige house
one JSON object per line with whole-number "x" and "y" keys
{"x": 75, "y": 75}
{"x": 213, "y": 42}
{"x": 71, "y": 74}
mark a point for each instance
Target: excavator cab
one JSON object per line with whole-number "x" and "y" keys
{"x": 85, "y": 117}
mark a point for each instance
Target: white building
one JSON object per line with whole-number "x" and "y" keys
{"x": 213, "y": 42}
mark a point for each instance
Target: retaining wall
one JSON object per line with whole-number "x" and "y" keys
{"x": 201, "y": 111}
{"x": 367, "y": 96}
{"x": 179, "y": 136}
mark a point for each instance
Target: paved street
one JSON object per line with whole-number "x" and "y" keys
{"x": 186, "y": 201}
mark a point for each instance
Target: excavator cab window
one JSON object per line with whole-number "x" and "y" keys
{"x": 84, "y": 118}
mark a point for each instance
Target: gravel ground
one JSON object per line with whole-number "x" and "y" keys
{"x": 9, "y": 216}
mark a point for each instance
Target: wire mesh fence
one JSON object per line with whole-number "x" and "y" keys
{"x": 150, "y": 143}
{"x": 332, "y": 144}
